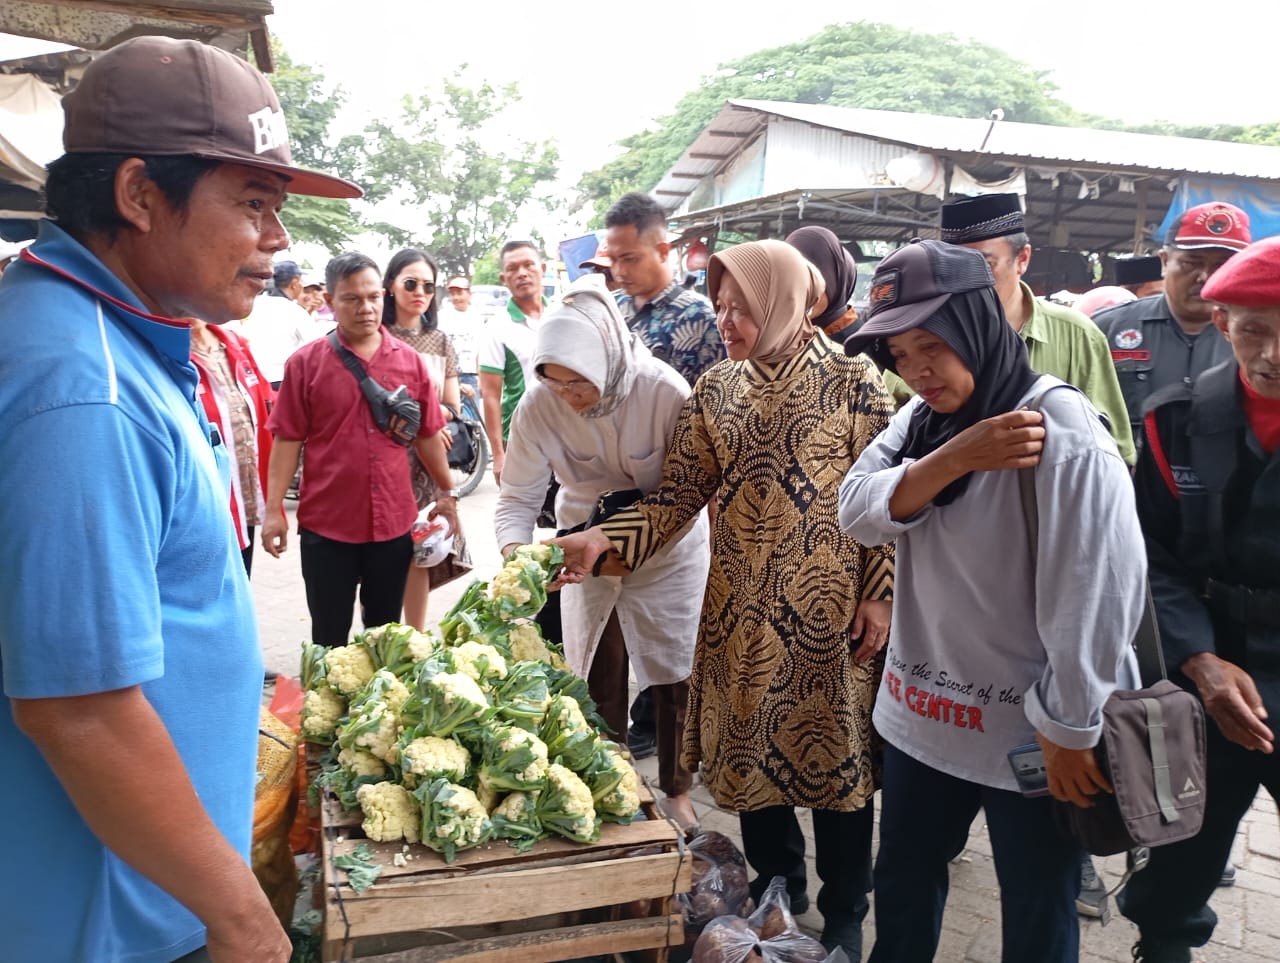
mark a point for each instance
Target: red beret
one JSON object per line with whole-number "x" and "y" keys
{"x": 1251, "y": 279}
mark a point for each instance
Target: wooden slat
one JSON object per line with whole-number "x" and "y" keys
{"x": 654, "y": 831}
{"x": 544, "y": 946}
{"x": 498, "y": 897}
{"x": 504, "y": 906}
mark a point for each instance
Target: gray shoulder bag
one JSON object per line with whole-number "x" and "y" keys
{"x": 1152, "y": 747}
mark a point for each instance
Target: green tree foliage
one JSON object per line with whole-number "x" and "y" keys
{"x": 309, "y": 108}
{"x": 461, "y": 185}
{"x": 1268, "y": 134}
{"x": 846, "y": 65}
{"x": 486, "y": 270}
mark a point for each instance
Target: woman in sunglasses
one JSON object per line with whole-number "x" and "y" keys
{"x": 409, "y": 311}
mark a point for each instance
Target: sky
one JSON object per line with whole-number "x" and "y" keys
{"x": 594, "y": 75}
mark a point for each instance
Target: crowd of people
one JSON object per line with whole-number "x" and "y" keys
{"x": 798, "y": 529}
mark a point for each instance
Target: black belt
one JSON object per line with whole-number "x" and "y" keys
{"x": 1243, "y": 604}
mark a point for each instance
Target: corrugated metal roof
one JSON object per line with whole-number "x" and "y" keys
{"x": 1008, "y": 143}
{"x": 230, "y": 24}
{"x": 1109, "y": 149}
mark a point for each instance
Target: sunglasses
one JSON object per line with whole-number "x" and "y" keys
{"x": 411, "y": 285}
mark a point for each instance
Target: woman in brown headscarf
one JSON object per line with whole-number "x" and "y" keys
{"x": 795, "y": 613}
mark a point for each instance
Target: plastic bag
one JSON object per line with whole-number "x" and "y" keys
{"x": 432, "y": 538}
{"x": 719, "y": 881}
{"x": 770, "y": 935}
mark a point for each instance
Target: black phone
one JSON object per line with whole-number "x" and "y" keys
{"x": 1028, "y": 769}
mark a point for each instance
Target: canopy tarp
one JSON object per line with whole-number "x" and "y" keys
{"x": 30, "y": 130}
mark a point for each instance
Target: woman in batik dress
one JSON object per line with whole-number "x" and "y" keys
{"x": 795, "y": 614}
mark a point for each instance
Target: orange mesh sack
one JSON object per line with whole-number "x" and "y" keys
{"x": 274, "y": 804}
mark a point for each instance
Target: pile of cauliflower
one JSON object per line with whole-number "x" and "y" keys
{"x": 473, "y": 733}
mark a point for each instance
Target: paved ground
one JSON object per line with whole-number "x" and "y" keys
{"x": 1249, "y": 913}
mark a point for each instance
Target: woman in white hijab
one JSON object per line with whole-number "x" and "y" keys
{"x": 600, "y": 419}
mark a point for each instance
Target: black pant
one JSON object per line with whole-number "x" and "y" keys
{"x": 925, "y": 817}
{"x": 607, "y": 681}
{"x": 246, "y": 553}
{"x": 642, "y": 721}
{"x": 774, "y": 846}
{"x": 331, "y": 571}
{"x": 1169, "y": 900}
{"x": 548, "y": 619}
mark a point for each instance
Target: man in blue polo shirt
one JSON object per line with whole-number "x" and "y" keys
{"x": 130, "y": 657}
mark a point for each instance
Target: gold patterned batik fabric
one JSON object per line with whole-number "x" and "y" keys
{"x": 779, "y": 713}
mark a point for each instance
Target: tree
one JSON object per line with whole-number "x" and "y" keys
{"x": 444, "y": 162}
{"x": 846, "y": 65}
{"x": 309, "y": 108}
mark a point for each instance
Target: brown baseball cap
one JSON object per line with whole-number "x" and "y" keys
{"x": 166, "y": 97}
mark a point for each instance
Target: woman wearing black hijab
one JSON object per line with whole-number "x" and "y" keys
{"x": 990, "y": 647}
{"x": 832, "y": 313}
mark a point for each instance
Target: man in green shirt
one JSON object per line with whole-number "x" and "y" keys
{"x": 1060, "y": 341}
{"x": 506, "y": 347}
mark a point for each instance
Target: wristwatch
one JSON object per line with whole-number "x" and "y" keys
{"x": 452, "y": 493}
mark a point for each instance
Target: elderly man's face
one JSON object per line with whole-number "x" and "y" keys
{"x": 212, "y": 260}
{"x": 521, "y": 272}
{"x": 1007, "y": 265}
{"x": 1184, "y": 275}
{"x": 1254, "y": 336}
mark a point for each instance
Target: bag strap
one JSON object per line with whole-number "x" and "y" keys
{"x": 349, "y": 359}
{"x": 1154, "y": 713}
{"x": 372, "y": 391}
{"x": 1147, "y": 639}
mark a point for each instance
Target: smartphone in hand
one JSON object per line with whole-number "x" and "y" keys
{"x": 1029, "y": 770}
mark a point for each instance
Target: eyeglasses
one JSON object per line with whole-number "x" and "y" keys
{"x": 576, "y": 387}
{"x": 411, "y": 285}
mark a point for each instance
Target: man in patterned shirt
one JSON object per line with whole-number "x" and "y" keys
{"x": 677, "y": 325}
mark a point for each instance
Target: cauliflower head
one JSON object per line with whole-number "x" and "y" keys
{"x": 566, "y": 806}
{"x": 321, "y": 711}
{"x": 568, "y": 736}
{"x": 452, "y": 817}
{"x": 422, "y": 645}
{"x": 390, "y": 812}
{"x": 527, "y": 644}
{"x": 514, "y": 758}
{"x": 488, "y": 796}
{"x": 509, "y": 584}
{"x": 516, "y": 819}
{"x": 430, "y": 757}
{"x": 375, "y": 728}
{"x": 542, "y": 554}
{"x": 481, "y": 662}
{"x": 348, "y": 668}
{"x": 444, "y": 701}
{"x": 516, "y": 806}
{"x": 621, "y": 803}
{"x": 362, "y": 764}
{"x": 395, "y": 692}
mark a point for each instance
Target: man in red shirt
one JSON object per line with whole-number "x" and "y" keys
{"x": 356, "y": 507}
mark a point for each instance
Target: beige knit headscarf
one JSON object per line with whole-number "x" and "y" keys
{"x": 780, "y": 287}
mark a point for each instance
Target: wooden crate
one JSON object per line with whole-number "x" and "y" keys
{"x": 559, "y": 901}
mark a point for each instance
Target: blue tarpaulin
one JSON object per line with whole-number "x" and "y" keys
{"x": 574, "y": 251}
{"x": 1260, "y": 201}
